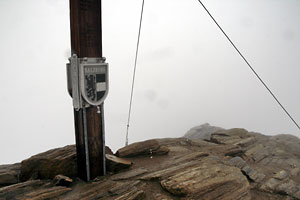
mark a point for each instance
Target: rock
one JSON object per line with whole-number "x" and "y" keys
{"x": 235, "y": 151}
{"x": 208, "y": 182}
{"x": 9, "y": 174}
{"x": 128, "y": 190}
{"x": 46, "y": 193}
{"x": 51, "y": 163}
{"x": 61, "y": 180}
{"x": 259, "y": 152}
{"x": 8, "y": 178}
{"x": 159, "y": 196}
{"x": 163, "y": 173}
{"x": 246, "y": 142}
{"x": 132, "y": 194}
{"x": 12, "y": 191}
{"x": 149, "y": 147}
{"x": 238, "y": 132}
{"x": 251, "y": 174}
{"x": 123, "y": 187}
{"x": 91, "y": 191}
{"x": 115, "y": 164}
{"x": 254, "y": 150}
{"x": 130, "y": 174}
{"x": 221, "y": 138}
{"x": 178, "y": 164}
{"x": 231, "y": 136}
{"x": 190, "y": 157}
{"x": 276, "y": 151}
{"x": 203, "y": 132}
{"x": 270, "y": 185}
{"x": 288, "y": 187}
{"x": 295, "y": 172}
{"x": 233, "y": 164}
{"x": 281, "y": 175}
{"x": 289, "y": 143}
{"x": 108, "y": 151}
{"x": 237, "y": 162}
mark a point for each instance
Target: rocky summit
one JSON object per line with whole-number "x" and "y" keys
{"x": 225, "y": 164}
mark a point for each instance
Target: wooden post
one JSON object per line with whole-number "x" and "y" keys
{"x": 86, "y": 41}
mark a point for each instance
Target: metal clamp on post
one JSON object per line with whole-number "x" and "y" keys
{"x": 87, "y": 81}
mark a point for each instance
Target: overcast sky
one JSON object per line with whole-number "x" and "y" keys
{"x": 187, "y": 74}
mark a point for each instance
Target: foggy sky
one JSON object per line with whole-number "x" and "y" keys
{"x": 187, "y": 72}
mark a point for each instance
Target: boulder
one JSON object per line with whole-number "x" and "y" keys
{"x": 203, "y": 132}
{"x": 149, "y": 147}
{"x": 215, "y": 181}
{"x": 281, "y": 175}
{"x": 115, "y": 164}
{"x": 253, "y": 174}
{"x": 61, "y": 180}
{"x": 49, "y": 164}
{"x": 9, "y": 174}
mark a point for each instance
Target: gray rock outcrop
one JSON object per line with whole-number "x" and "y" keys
{"x": 203, "y": 132}
{"x": 231, "y": 164}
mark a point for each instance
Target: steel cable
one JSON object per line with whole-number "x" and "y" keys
{"x": 134, "y": 72}
{"x": 246, "y": 61}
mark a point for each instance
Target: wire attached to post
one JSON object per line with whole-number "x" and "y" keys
{"x": 252, "y": 69}
{"x": 134, "y": 72}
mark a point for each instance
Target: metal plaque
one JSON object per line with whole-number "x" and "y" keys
{"x": 94, "y": 82}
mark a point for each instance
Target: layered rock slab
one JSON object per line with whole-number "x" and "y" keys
{"x": 149, "y": 147}
{"x": 49, "y": 164}
{"x": 9, "y": 174}
{"x": 33, "y": 190}
{"x": 214, "y": 181}
{"x": 115, "y": 164}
